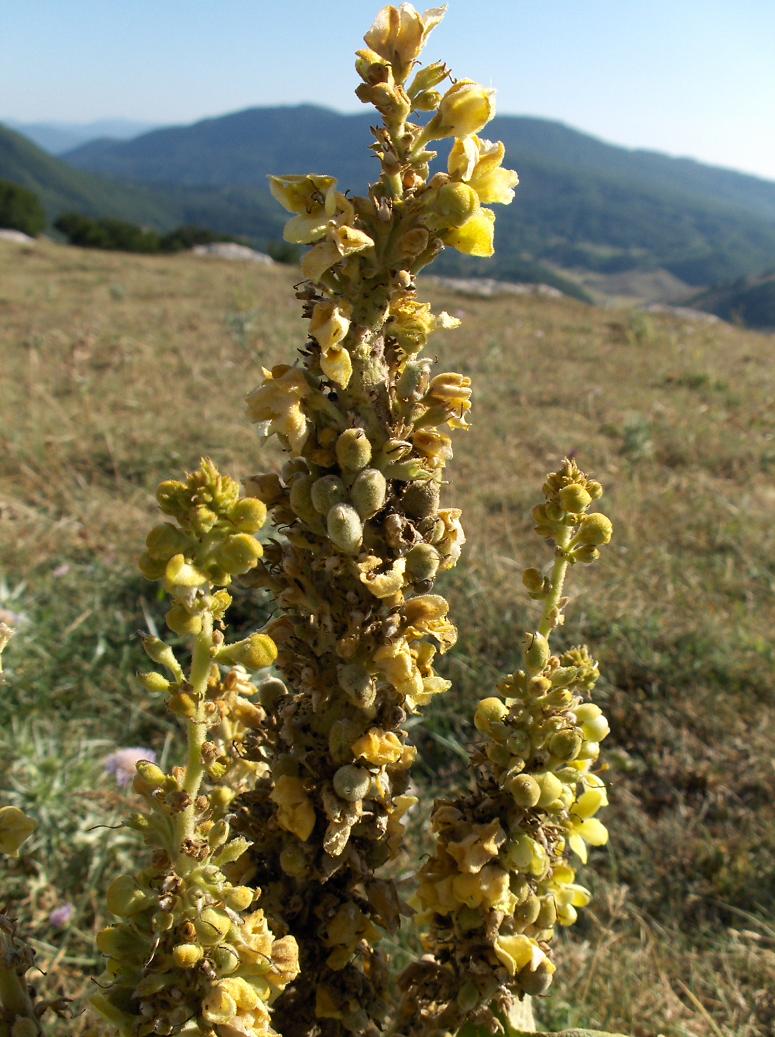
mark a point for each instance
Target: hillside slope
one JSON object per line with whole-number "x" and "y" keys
{"x": 749, "y": 300}
{"x": 231, "y": 210}
{"x": 584, "y": 204}
{"x": 120, "y": 371}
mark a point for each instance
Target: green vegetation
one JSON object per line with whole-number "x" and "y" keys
{"x": 20, "y": 209}
{"x": 674, "y": 420}
{"x": 119, "y": 235}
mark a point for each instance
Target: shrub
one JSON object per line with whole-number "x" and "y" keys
{"x": 20, "y": 209}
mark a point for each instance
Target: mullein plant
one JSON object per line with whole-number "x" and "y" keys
{"x": 501, "y": 877}
{"x": 191, "y": 952}
{"x": 365, "y": 424}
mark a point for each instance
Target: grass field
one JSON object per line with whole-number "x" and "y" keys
{"x": 119, "y": 371}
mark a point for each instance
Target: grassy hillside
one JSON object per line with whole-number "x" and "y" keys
{"x": 230, "y": 210}
{"x": 585, "y": 204}
{"x": 121, "y": 370}
{"x": 748, "y": 300}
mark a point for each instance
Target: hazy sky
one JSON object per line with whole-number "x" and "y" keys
{"x": 689, "y": 77}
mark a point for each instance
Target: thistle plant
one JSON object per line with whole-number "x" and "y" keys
{"x": 191, "y": 952}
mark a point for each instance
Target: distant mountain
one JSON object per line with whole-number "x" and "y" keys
{"x": 238, "y": 210}
{"x": 749, "y": 300}
{"x": 582, "y": 204}
{"x": 56, "y": 137}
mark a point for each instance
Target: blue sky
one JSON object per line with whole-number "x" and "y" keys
{"x": 689, "y": 77}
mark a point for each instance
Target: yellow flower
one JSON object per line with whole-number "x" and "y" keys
{"x": 378, "y": 747}
{"x": 279, "y": 401}
{"x": 399, "y": 33}
{"x": 411, "y": 322}
{"x": 583, "y": 832}
{"x": 15, "y": 827}
{"x": 448, "y": 399}
{"x": 465, "y": 109}
{"x": 476, "y": 236}
{"x": 329, "y": 326}
{"x": 567, "y": 894}
{"x": 518, "y": 952}
{"x": 296, "y": 813}
{"x": 478, "y": 162}
{"x": 488, "y": 887}
{"x": 427, "y": 614}
{"x": 330, "y": 323}
{"x": 341, "y": 241}
{"x": 298, "y": 194}
{"x": 454, "y": 537}
{"x": 397, "y": 665}
{"x": 474, "y": 850}
{"x": 386, "y": 584}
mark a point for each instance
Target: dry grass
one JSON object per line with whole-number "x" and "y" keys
{"x": 120, "y": 371}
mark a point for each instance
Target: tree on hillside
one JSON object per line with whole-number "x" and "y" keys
{"x": 20, "y": 209}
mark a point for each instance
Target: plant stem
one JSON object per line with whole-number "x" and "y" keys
{"x": 559, "y": 570}
{"x": 196, "y": 727}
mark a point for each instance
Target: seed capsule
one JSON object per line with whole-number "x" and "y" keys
{"x": 353, "y": 449}
{"x": 368, "y": 492}
{"x": 326, "y": 492}
{"x": 344, "y": 528}
{"x": 421, "y": 499}
{"x": 596, "y": 530}
{"x": 422, "y": 562}
{"x": 536, "y": 650}
{"x": 351, "y": 783}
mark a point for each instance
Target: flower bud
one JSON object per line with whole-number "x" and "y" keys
{"x": 453, "y": 204}
{"x": 490, "y": 711}
{"x": 353, "y": 449}
{"x": 187, "y": 955}
{"x": 239, "y": 898}
{"x": 533, "y": 580}
{"x": 254, "y": 653}
{"x": 155, "y": 683}
{"x": 368, "y": 492}
{"x": 218, "y": 834}
{"x": 344, "y": 528}
{"x": 165, "y": 540}
{"x": 326, "y": 492}
{"x": 525, "y": 790}
{"x": 595, "y": 530}
{"x": 248, "y": 515}
{"x": 351, "y": 783}
{"x": 565, "y": 744}
{"x": 270, "y": 691}
{"x": 181, "y": 573}
{"x": 551, "y": 788}
{"x": 536, "y": 651}
{"x": 152, "y": 776}
{"x": 183, "y": 622}
{"x": 574, "y": 498}
{"x": 239, "y": 554}
{"x": 301, "y": 497}
{"x": 586, "y": 554}
{"x": 466, "y": 108}
{"x": 212, "y": 926}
